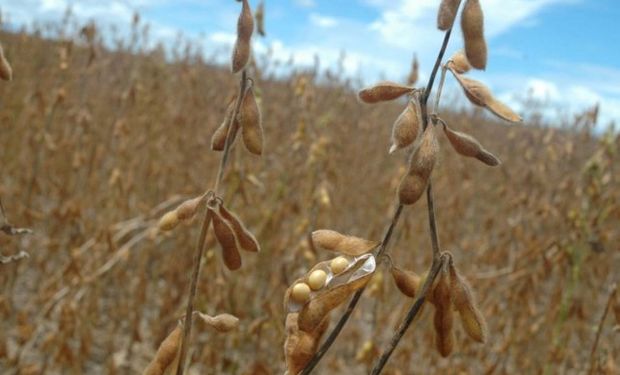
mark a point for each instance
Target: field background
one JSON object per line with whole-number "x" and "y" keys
{"x": 96, "y": 143}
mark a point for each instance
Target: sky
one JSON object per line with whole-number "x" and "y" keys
{"x": 563, "y": 53}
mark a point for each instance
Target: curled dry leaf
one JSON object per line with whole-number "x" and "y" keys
{"x": 467, "y": 145}
{"x": 334, "y": 241}
{"x": 245, "y": 27}
{"x": 167, "y": 353}
{"x": 406, "y": 127}
{"x": 421, "y": 165}
{"x": 447, "y": 14}
{"x": 251, "y": 123}
{"x": 480, "y": 95}
{"x": 218, "y": 140}
{"x": 473, "y": 322}
{"x": 6, "y": 73}
{"x": 458, "y": 62}
{"x": 383, "y": 91}
{"x": 228, "y": 241}
{"x": 221, "y": 323}
{"x": 408, "y": 282}
{"x": 472, "y": 24}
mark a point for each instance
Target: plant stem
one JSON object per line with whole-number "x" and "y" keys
{"x": 200, "y": 245}
{"x": 436, "y": 263}
{"x": 610, "y": 299}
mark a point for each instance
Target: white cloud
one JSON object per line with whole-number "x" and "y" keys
{"x": 322, "y": 21}
{"x": 305, "y": 3}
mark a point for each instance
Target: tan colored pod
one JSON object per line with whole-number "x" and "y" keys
{"x": 472, "y": 320}
{"x": 424, "y": 158}
{"x": 501, "y": 110}
{"x": 241, "y": 55}
{"x": 467, "y": 145}
{"x": 407, "y": 282}
{"x": 259, "y": 15}
{"x": 411, "y": 188}
{"x": 472, "y": 24}
{"x": 6, "y": 73}
{"x": 188, "y": 209}
{"x": 221, "y": 323}
{"x": 218, "y": 140}
{"x": 459, "y": 63}
{"x": 251, "y": 123}
{"x": 168, "y": 221}
{"x": 167, "y": 353}
{"x": 300, "y": 346}
{"x": 245, "y": 23}
{"x": 406, "y": 127}
{"x": 334, "y": 241}
{"x": 444, "y": 317}
{"x": 227, "y": 240}
{"x": 246, "y": 239}
{"x": 383, "y": 91}
{"x": 447, "y": 14}
{"x": 480, "y": 95}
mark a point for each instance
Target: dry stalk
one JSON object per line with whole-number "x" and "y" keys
{"x": 610, "y": 300}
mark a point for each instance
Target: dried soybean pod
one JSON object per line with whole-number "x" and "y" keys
{"x": 467, "y": 145}
{"x": 218, "y": 141}
{"x": 411, "y": 188}
{"x": 167, "y": 353}
{"x": 423, "y": 159}
{"x": 334, "y": 241}
{"x": 472, "y": 24}
{"x": 188, "y": 208}
{"x": 406, "y": 128}
{"x": 383, "y": 91}
{"x": 444, "y": 317}
{"x": 6, "y": 73}
{"x": 259, "y": 15}
{"x": 246, "y": 239}
{"x": 480, "y": 95}
{"x": 245, "y": 27}
{"x": 221, "y": 323}
{"x": 501, "y": 110}
{"x": 251, "y": 123}
{"x": 227, "y": 240}
{"x": 407, "y": 282}
{"x": 168, "y": 221}
{"x": 447, "y": 14}
{"x": 472, "y": 320}
{"x": 458, "y": 62}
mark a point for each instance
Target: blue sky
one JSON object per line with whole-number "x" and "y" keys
{"x": 564, "y": 52}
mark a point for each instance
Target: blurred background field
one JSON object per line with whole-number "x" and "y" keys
{"x": 96, "y": 142}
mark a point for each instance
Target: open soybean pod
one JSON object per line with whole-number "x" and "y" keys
{"x": 300, "y": 346}
{"x": 472, "y": 24}
{"x": 336, "y": 292}
{"x": 334, "y": 241}
{"x": 245, "y": 27}
{"x": 250, "y": 120}
{"x": 472, "y": 320}
{"x": 383, "y": 91}
{"x": 227, "y": 239}
{"x": 246, "y": 239}
{"x": 467, "y": 145}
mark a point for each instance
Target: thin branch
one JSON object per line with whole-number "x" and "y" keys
{"x": 200, "y": 245}
{"x": 610, "y": 299}
{"x": 417, "y": 306}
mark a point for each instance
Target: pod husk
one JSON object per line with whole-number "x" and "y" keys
{"x": 227, "y": 239}
{"x": 447, "y": 14}
{"x": 334, "y": 241}
{"x": 463, "y": 300}
{"x": 167, "y": 354}
{"x": 408, "y": 282}
{"x": 383, "y": 91}
{"x": 250, "y": 121}
{"x": 246, "y": 239}
{"x": 466, "y": 145}
{"x": 406, "y": 127}
{"x": 472, "y": 24}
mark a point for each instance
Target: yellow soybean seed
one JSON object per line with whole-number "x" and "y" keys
{"x": 301, "y": 292}
{"x": 317, "y": 279}
{"x": 338, "y": 264}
